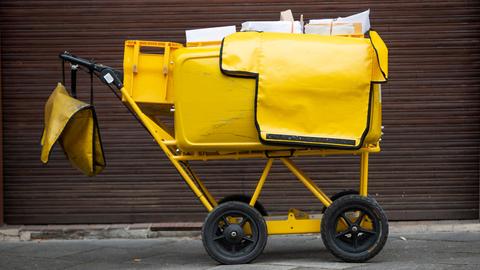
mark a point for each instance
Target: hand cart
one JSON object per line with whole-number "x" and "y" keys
{"x": 353, "y": 226}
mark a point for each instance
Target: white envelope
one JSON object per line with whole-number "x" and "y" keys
{"x": 272, "y": 26}
{"x": 362, "y": 17}
{"x": 209, "y": 34}
{"x": 331, "y": 29}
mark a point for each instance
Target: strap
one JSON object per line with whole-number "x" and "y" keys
{"x": 63, "y": 72}
{"x": 73, "y": 80}
{"x": 380, "y": 67}
{"x": 91, "y": 87}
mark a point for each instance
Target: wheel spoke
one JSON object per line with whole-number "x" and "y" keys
{"x": 225, "y": 219}
{"x": 347, "y": 220}
{"x": 355, "y": 240}
{"x": 218, "y": 237}
{"x": 365, "y": 231}
{"x": 248, "y": 239}
{"x": 360, "y": 218}
{"x": 342, "y": 234}
{"x": 242, "y": 223}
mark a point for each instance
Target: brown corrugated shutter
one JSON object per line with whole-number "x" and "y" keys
{"x": 1, "y": 144}
{"x": 428, "y": 169}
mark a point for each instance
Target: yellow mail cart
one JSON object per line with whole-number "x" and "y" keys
{"x": 254, "y": 95}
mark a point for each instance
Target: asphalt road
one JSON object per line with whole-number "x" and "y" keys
{"x": 414, "y": 251}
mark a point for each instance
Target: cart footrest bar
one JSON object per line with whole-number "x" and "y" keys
{"x": 297, "y": 222}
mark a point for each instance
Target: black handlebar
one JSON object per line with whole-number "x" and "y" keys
{"x": 106, "y": 74}
{"x": 79, "y": 61}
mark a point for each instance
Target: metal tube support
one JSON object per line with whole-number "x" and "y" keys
{"x": 202, "y": 186}
{"x": 259, "y": 187}
{"x": 157, "y": 135}
{"x": 307, "y": 182}
{"x": 207, "y": 193}
{"x": 364, "y": 174}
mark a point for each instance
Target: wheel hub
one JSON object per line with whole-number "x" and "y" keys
{"x": 234, "y": 233}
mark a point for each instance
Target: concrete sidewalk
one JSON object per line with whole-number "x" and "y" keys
{"x": 426, "y": 250}
{"x": 156, "y": 230}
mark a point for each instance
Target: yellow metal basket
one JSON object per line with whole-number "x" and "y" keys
{"x": 213, "y": 112}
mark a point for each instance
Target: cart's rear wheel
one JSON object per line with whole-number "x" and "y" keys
{"x": 245, "y": 199}
{"x": 354, "y": 228}
{"x": 344, "y": 193}
{"x": 234, "y": 233}
{"x": 341, "y": 194}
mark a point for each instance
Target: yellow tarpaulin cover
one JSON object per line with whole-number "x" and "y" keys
{"x": 73, "y": 124}
{"x": 311, "y": 90}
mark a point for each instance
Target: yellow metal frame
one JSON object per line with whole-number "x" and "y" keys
{"x": 296, "y": 221}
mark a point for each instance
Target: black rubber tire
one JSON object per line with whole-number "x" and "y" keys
{"x": 245, "y": 199}
{"x": 216, "y": 239}
{"x": 341, "y": 194}
{"x": 362, "y": 244}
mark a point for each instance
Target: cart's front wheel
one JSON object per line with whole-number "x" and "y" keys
{"x": 354, "y": 228}
{"x": 234, "y": 233}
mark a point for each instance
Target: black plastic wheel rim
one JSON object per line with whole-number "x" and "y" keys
{"x": 235, "y": 234}
{"x": 356, "y": 229}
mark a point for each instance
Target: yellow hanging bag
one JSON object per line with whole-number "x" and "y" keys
{"x": 73, "y": 124}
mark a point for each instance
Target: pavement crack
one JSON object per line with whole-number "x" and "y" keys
{"x": 77, "y": 253}
{"x": 440, "y": 240}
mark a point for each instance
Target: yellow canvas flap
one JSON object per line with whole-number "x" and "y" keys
{"x": 311, "y": 90}
{"x": 73, "y": 124}
{"x": 235, "y": 49}
{"x": 380, "y": 66}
